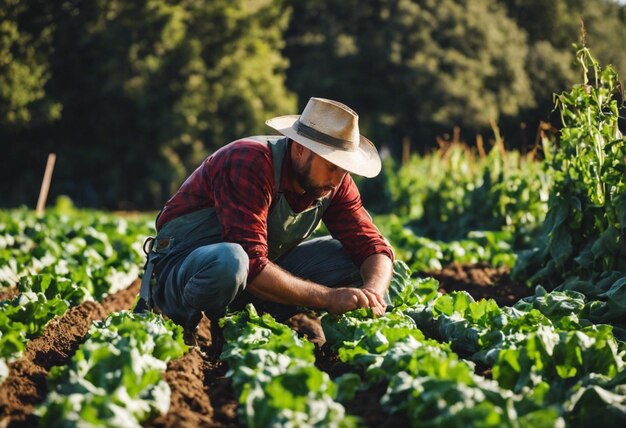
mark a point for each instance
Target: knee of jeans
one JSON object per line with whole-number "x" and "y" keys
{"x": 217, "y": 284}
{"x": 232, "y": 264}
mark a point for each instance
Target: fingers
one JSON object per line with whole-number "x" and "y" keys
{"x": 361, "y": 299}
{"x": 376, "y": 302}
{"x": 347, "y": 299}
{"x": 373, "y": 301}
{"x": 375, "y": 297}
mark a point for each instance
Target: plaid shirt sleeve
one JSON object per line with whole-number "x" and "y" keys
{"x": 238, "y": 181}
{"x": 348, "y": 221}
{"x": 243, "y": 181}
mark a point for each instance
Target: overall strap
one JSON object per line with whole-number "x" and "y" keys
{"x": 145, "y": 302}
{"x": 279, "y": 148}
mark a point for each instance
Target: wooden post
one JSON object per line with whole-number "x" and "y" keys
{"x": 45, "y": 184}
{"x": 480, "y": 144}
{"x": 406, "y": 150}
{"x": 456, "y": 135}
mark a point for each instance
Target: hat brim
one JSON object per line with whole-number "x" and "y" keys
{"x": 363, "y": 161}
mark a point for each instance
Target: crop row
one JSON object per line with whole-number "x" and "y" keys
{"x": 548, "y": 363}
{"x": 274, "y": 375}
{"x": 57, "y": 261}
{"x": 115, "y": 378}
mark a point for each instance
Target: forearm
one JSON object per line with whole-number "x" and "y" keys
{"x": 277, "y": 285}
{"x": 376, "y": 272}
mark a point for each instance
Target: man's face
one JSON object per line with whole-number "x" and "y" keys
{"x": 316, "y": 175}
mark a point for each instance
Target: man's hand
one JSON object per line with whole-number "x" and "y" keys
{"x": 347, "y": 299}
{"x": 376, "y": 302}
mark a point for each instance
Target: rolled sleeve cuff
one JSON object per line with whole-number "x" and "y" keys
{"x": 375, "y": 249}
{"x": 257, "y": 264}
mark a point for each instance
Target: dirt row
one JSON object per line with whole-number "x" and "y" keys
{"x": 481, "y": 281}
{"x": 201, "y": 395}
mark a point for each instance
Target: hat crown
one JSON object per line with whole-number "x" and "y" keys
{"x": 333, "y": 119}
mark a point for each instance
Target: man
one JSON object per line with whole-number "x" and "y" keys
{"x": 235, "y": 231}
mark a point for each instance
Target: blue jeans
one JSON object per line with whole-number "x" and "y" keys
{"x": 213, "y": 277}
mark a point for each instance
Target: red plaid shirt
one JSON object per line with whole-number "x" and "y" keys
{"x": 238, "y": 181}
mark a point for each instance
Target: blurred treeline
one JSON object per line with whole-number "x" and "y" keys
{"x": 132, "y": 95}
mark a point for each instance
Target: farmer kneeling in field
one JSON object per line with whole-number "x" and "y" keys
{"x": 235, "y": 231}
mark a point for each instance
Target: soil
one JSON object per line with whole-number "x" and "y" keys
{"x": 188, "y": 404}
{"x": 366, "y": 405}
{"x": 328, "y": 361}
{"x": 308, "y": 325}
{"x": 481, "y": 281}
{"x": 201, "y": 395}
{"x": 8, "y": 293}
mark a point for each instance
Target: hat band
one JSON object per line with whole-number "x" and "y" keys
{"x": 320, "y": 137}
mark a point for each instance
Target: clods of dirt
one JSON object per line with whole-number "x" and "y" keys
{"x": 189, "y": 406}
{"x": 481, "y": 281}
{"x": 328, "y": 361}
{"x": 221, "y": 394}
{"x": 308, "y": 325}
{"x": 9, "y": 293}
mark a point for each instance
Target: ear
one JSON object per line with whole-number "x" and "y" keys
{"x": 298, "y": 148}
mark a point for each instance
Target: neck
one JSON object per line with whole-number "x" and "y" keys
{"x": 296, "y": 188}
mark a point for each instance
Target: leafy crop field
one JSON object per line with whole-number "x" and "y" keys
{"x": 509, "y": 306}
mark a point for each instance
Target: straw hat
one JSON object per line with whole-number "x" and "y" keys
{"x": 331, "y": 130}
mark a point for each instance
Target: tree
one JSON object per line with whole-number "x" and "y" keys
{"x": 147, "y": 89}
{"x": 552, "y": 28}
{"x": 411, "y": 68}
{"x": 24, "y": 69}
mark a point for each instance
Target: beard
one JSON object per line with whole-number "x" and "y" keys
{"x": 303, "y": 177}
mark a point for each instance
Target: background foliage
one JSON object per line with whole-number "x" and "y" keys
{"x": 133, "y": 95}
